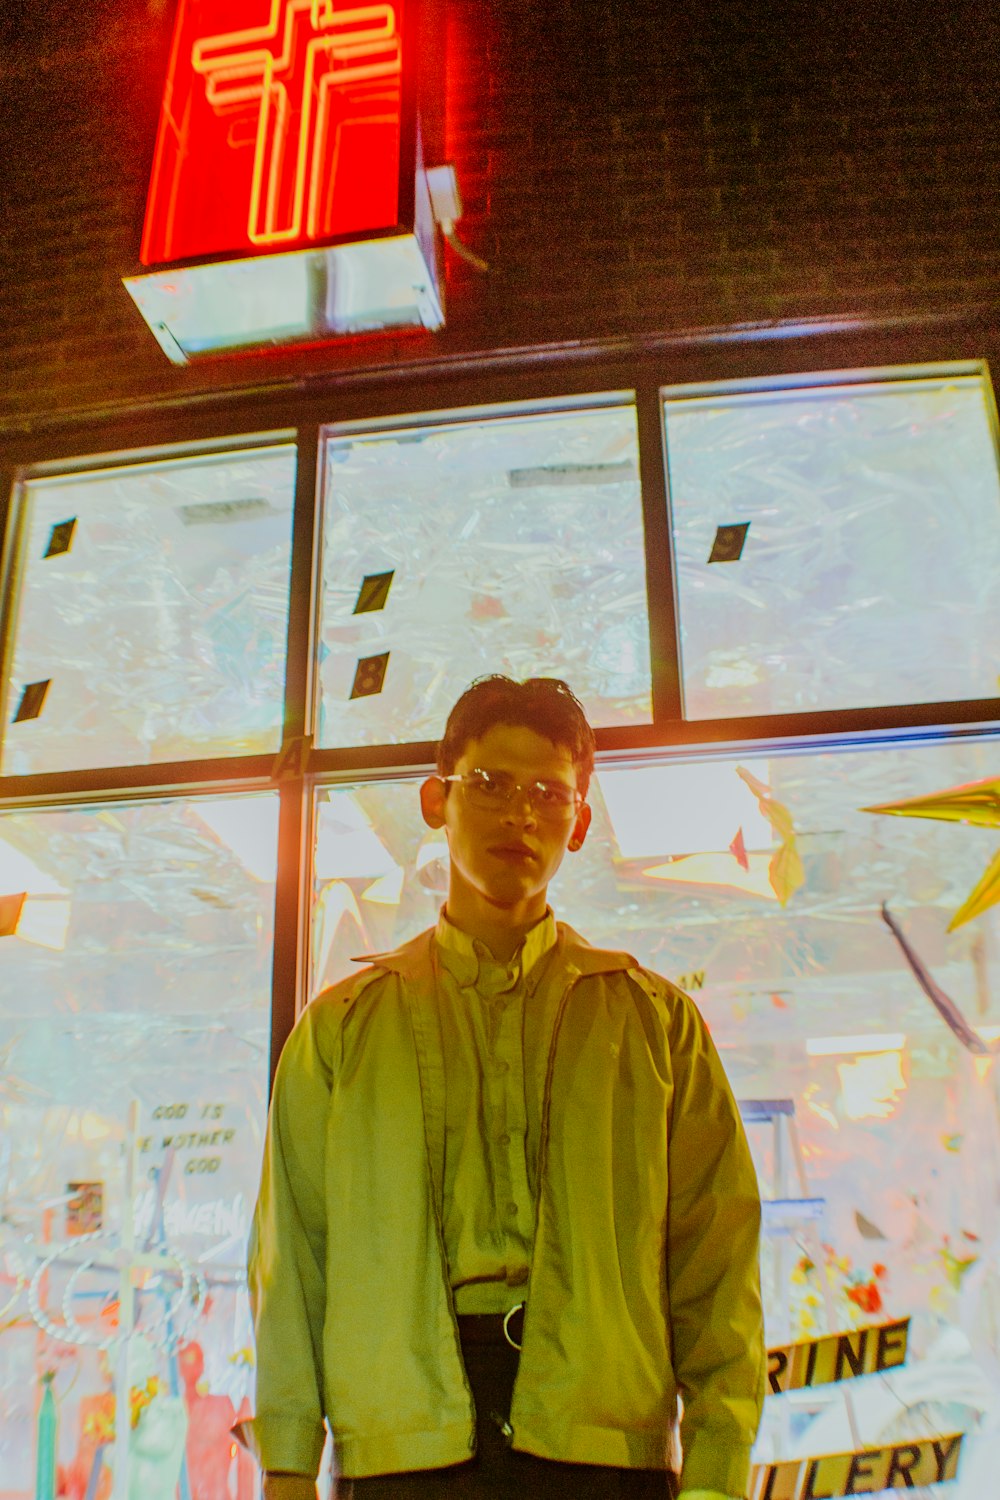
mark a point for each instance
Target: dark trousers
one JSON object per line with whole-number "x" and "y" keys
{"x": 497, "y": 1471}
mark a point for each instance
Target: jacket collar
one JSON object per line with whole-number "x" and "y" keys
{"x": 413, "y": 960}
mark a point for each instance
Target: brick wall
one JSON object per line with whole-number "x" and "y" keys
{"x": 629, "y": 167}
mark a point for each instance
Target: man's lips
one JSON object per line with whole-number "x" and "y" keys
{"x": 519, "y": 852}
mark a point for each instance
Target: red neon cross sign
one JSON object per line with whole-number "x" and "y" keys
{"x": 278, "y": 134}
{"x": 270, "y": 66}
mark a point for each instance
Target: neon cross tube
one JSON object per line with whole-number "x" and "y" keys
{"x": 276, "y": 135}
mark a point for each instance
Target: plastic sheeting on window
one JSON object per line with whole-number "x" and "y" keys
{"x": 835, "y": 547}
{"x": 875, "y": 1128}
{"x": 134, "y": 1043}
{"x": 515, "y": 544}
{"x": 154, "y": 603}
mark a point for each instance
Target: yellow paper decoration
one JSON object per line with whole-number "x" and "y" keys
{"x": 975, "y": 802}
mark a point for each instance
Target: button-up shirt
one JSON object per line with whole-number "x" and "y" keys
{"x": 491, "y": 1124}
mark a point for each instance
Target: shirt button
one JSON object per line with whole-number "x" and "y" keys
{"x": 502, "y": 1067}
{"x": 503, "y": 1140}
{"x": 512, "y": 1210}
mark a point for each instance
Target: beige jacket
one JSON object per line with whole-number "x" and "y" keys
{"x": 644, "y": 1280}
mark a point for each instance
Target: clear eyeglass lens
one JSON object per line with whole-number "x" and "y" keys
{"x": 491, "y": 787}
{"x": 550, "y": 799}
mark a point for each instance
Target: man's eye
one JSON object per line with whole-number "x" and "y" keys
{"x": 491, "y": 786}
{"x": 553, "y": 794}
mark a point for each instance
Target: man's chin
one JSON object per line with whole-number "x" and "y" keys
{"x": 505, "y": 895}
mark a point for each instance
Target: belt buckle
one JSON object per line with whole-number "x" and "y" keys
{"x": 517, "y": 1308}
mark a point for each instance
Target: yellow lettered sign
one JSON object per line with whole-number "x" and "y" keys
{"x": 896, "y": 1466}
{"x": 837, "y": 1356}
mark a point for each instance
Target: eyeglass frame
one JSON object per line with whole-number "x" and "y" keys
{"x": 570, "y": 809}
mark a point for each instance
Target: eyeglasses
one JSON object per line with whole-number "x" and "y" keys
{"x": 494, "y": 791}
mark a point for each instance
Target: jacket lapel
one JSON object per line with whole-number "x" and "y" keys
{"x": 415, "y": 963}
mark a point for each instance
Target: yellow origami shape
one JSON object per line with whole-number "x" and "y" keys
{"x": 976, "y": 802}
{"x": 785, "y": 872}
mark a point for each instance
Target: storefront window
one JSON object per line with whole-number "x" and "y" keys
{"x": 836, "y": 546}
{"x": 134, "y": 1034}
{"x": 152, "y": 612}
{"x": 756, "y": 881}
{"x": 496, "y": 544}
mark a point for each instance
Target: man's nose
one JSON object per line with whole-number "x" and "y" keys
{"x": 520, "y": 809}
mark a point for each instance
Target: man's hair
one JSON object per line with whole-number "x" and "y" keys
{"x": 545, "y": 704}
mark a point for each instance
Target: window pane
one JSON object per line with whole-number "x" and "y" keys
{"x": 134, "y": 1041}
{"x": 869, "y": 572}
{"x": 506, "y": 544}
{"x": 154, "y": 604}
{"x": 893, "y": 1119}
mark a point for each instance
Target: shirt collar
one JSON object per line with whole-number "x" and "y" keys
{"x": 471, "y": 964}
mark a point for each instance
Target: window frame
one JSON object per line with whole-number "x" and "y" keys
{"x": 306, "y": 407}
{"x": 866, "y": 377}
{"x": 439, "y": 421}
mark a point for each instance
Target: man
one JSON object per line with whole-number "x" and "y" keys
{"x": 498, "y": 1116}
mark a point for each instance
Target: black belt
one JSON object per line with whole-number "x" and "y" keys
{"x": 493, "y": 1328}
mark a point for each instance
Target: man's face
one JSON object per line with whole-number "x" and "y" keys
{"x": 506, "y": 856}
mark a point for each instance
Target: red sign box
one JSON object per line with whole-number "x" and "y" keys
{"x": 279, "y": 129}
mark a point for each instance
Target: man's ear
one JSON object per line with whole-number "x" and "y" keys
{"x": 432, "y": 794}
{"x": 580, "y": 827}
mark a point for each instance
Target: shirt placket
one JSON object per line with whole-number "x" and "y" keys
{"x": 506, "y": 1127}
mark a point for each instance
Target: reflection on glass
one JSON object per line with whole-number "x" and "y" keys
{"x": 508, "y": 544}
{"x": 869, "y": 570}
{"x": 154, "y": 603}
{"x": 876, "y": 1132}
{"x": 134, "y": 1037}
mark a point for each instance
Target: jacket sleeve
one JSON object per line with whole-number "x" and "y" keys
{"x": 713, "y": 1274}
{"x": 287, "y": 1257}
